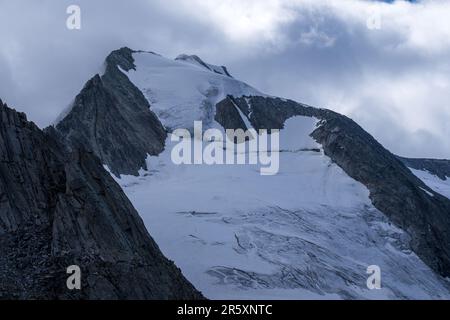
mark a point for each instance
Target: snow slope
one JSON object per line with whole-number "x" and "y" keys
{"x": 181, "y": 91}
{"x": 308, "y": 232}
{"x": 434, "y": 182}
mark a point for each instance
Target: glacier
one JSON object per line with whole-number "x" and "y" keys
{"x": 309, "y": 232}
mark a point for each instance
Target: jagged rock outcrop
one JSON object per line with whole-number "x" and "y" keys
{"x": 438, "y": 167}
{"x": 394, "y": 190}
{"x": 194, "y": 59}
{"x": 112, "y": 118}
{"x": 61, "y": 208}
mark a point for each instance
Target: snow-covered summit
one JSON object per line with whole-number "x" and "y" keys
{"x": 184, "y": 90}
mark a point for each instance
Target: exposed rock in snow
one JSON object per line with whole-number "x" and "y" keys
{"x": 434, "y": 182}
{"x": 197, "y": 61}
{"x": 112, "y": 118}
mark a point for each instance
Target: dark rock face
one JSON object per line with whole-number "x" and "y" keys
{"x": 271, "y": 113}
{"x": 59, "y": 209}
{"x": 438, "y": 167}
{"x": 228, "y": 116}
{"x": 112, "y": 118}
{"x": 394, "y": 190}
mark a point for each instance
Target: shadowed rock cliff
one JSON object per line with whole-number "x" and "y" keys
{"x": 59, "y": 209}
{"x": 112, "y": 118}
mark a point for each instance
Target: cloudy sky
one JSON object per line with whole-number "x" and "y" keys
{"x": 386, "y": 65}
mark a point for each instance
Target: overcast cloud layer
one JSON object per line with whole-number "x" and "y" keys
{"x": 394, "y": 81}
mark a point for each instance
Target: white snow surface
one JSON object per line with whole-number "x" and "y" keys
{"x": 308, "y": 232}
{"x": 181, "y": 92}
{"x": 434, "y": 182}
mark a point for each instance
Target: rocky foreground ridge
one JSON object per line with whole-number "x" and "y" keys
{"x": 61, "y": 208}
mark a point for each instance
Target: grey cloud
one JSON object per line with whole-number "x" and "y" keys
{"x": 312, "y": 52}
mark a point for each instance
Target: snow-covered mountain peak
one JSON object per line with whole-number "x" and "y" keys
{"x": 183, "y": 90}
{"x": 312, "y": 229}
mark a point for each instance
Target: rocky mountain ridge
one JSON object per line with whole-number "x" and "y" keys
{"x": 110, "y": 112}
{"x": 58, "y": 208}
